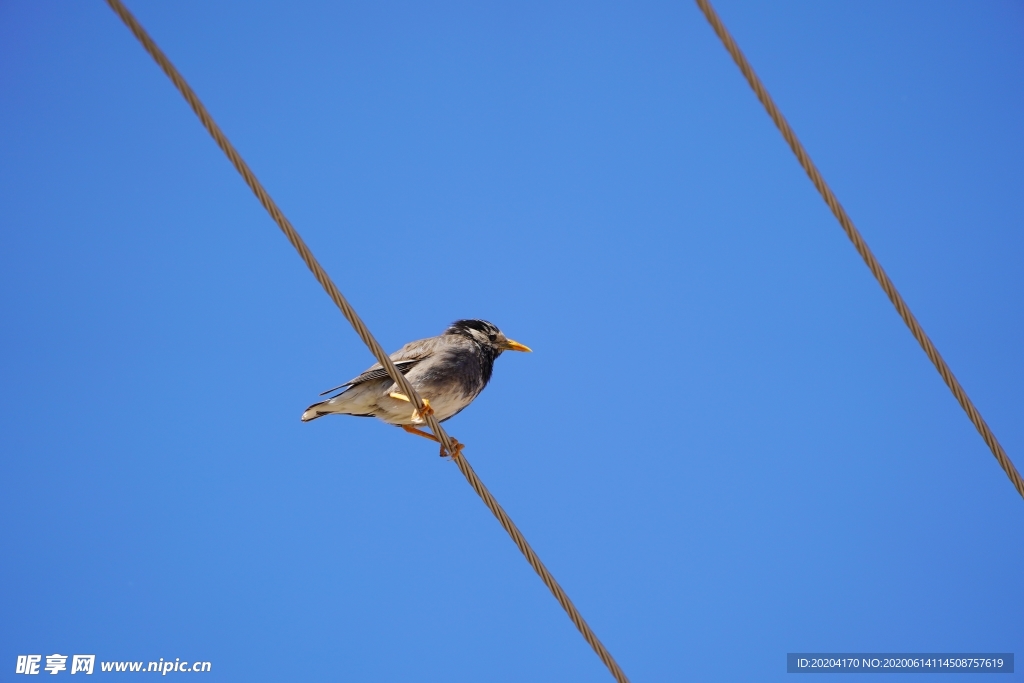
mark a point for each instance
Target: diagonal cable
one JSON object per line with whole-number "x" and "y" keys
{"x": 862, "y": 247}
{"x": 364, "y": 333}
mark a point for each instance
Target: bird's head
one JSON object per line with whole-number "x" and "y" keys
{"x": 486, "y": 335}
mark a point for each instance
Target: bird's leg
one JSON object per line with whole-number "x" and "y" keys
{"x": 456, "y": 446}
{"x": 416, "y": 414}
{"x": 418, "y": 432}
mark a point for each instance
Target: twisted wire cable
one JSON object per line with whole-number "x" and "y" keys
{"x": 862, "y": 247}
{"x": 364, "y": 333}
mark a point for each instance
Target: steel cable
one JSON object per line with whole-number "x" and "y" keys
{"x": 862, "y": 247}
{"x": 364, "y": 333}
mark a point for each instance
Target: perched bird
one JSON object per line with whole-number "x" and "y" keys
{"x": 447, "y": 371}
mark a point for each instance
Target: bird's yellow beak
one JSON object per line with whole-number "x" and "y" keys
{"x": 510, "y": 345}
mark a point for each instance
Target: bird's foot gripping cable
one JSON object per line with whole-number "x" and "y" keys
{"x": 418, "y": 415}
{"x": 456, "y": 448}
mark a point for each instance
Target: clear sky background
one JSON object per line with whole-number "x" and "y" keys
{"x": 726, "y": 445}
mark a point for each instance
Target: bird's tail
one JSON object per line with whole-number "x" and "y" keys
{"x": 313, "y": 413}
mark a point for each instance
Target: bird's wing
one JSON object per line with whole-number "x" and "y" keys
{"x": 376, "y": 372}
{"x": 405, "y": 359}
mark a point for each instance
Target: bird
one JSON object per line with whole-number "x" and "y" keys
{"x": 448, "y": 372}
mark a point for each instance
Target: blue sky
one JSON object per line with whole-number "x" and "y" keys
{"x": 726, "y": 445}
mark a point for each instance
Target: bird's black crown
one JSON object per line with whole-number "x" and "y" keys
{"x": 467, "y": 327}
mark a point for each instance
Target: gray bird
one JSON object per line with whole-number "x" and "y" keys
{"x": 447, "y": 371}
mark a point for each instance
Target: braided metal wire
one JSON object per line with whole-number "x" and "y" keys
{"x": 364, "y": 333}
{"x": 862, "y": 247}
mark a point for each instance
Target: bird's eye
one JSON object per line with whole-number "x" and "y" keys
{"x": 492, "y": 337}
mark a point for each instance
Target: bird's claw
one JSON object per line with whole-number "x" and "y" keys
{"x": 418, "y": 415}
{"x": 456, "y": 448}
